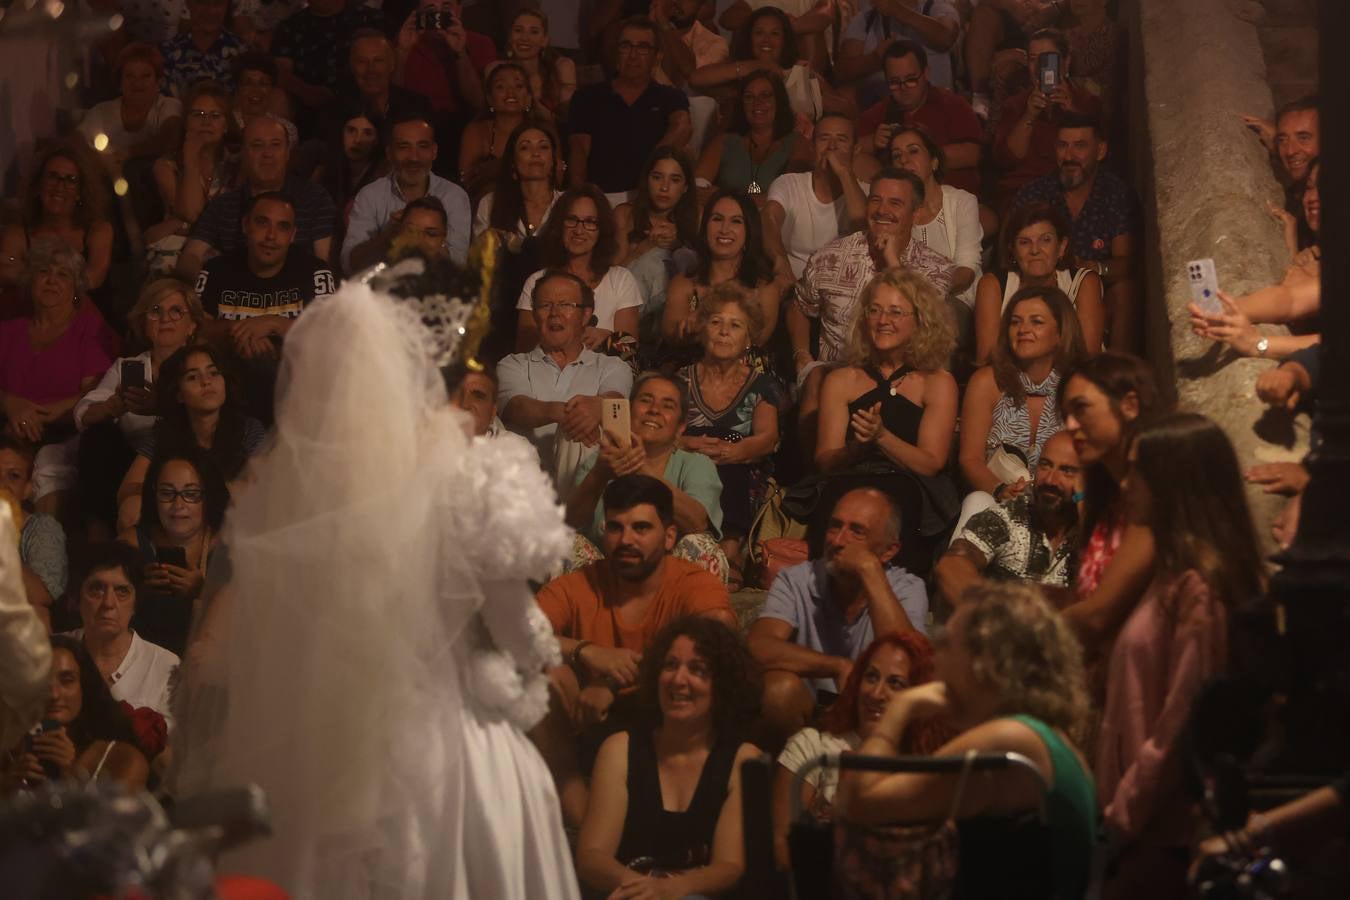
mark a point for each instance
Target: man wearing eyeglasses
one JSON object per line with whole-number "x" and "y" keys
{"x": 878, "y": 24}
{"x": 617, "y": 124}
{"x": 913, "y": 100}
{"x": 552, "y": 393}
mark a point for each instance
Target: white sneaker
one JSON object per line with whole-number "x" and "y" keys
{"x": 980, "y": 103}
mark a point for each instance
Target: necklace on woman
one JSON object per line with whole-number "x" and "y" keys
{"x": 754, "y": 187}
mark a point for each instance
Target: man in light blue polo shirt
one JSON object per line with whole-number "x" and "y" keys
{"x": 552, "y": 393}
{"x": 377, "y": 212}
{"x": 821, "y": 614}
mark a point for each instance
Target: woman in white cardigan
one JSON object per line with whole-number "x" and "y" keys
{"x": 948, "y": 221}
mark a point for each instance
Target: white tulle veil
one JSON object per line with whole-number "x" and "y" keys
{"x": 321, "y": 665}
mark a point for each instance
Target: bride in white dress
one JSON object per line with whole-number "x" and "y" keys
{"x": 370, "y": 653}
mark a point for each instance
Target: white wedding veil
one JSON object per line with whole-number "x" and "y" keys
{"x": 322, "y": 665}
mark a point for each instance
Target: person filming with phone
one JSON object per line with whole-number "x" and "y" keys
{"x": 83, "y": 734}
{"x": 650, "y": 445}
{"x": 552, "y": 394}
{"x": 442, "y": 60}
{"x": 1024, "y": 144}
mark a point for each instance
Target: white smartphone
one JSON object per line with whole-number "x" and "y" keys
{"x": 615, "y": 419}
{"x": 1204, "y": 285}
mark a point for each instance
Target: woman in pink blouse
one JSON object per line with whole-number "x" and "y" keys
{"x": 48, "y": 361}
{"x": 1185, "y": 486}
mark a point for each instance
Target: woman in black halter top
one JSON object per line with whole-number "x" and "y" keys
{"x": 887, "y": 419}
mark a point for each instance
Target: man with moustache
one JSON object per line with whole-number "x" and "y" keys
{"x": 1029, "y": 538}
{"x": 821, "y": 614}
{"x": 1101, "y": 210}
{"x": 835, "y": 276}
{"x": 605, "y": 615}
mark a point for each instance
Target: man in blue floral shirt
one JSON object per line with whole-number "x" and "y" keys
{"x": 205, "y": 51}
{"x": 1101, "y": 208}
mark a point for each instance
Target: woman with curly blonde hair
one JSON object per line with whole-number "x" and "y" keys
{"x": 888, "y": 417}
{"x": 1010, "y": 676}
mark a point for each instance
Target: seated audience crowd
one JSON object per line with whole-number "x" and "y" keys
{"x": 834, "y": 302}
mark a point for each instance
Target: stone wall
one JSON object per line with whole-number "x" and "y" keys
{"x": 1204, "y": 182}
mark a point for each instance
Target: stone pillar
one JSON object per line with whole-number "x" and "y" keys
{"x": 1204, "y": 182}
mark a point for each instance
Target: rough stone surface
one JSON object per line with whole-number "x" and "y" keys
{"x": 1205, "y": 183}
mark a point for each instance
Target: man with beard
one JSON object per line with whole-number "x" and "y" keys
{"x": 821, "y": 614}
{"x": 835, "y": 276}
{"x": 377, "y": 213}
{"x": 1029, "y": 538}
{"x": 605, "y": 615}
{"x": 1101, "y": 210}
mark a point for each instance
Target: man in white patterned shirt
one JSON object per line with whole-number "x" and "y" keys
{"x": 836, "y": 274}
{"x": 1030, "y": 537}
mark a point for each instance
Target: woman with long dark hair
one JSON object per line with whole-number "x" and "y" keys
{"x": 1185, "y": 486}
{"x": 665, "y": 797}
{"x": 657, "y": 231}
{"x": 580, "y": 237}
{"x": 198, "y": 407}
{"x": 91, "y": 739}
{"x": 730, "y": 248}
{"x": 183, "y": 507}
{"x": 1102, "y": 400}
{"x": 552, "y": 76}
{"x": 759, "y": 146}
{"x": 486, "y": 141}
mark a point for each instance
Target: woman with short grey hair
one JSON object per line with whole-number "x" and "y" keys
{"x": 47, "y": 363}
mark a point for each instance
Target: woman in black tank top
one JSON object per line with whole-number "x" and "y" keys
{"x": 664, "y": 800}
{"x": 887, "y": 420}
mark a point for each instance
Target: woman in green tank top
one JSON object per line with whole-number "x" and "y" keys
{"x": 1010, "y": 677}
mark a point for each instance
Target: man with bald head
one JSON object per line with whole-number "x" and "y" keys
{"x": 821, "y": 614}
{"x": 266, "y": 154}
{"x": 1030, "y": 537}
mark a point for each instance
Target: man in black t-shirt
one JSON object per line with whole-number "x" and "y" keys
{"x": 311, "y": 48}
{"x": 255, "y": 295}
{"x": 617, "y": 124}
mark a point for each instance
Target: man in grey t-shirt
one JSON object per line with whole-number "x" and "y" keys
{"x": 820, "y": 615}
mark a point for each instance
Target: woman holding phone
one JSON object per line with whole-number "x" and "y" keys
{"x": 120, "y": 410}
{"x": 183, "y": 503}
{"x": 84, "y": 734}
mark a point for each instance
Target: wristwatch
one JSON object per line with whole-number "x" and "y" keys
{"x": 1262, "y": 346}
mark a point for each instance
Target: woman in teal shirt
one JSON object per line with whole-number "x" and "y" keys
{"x": 1010, "y": 677}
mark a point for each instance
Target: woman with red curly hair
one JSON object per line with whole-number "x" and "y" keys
{"x": 889, "y": 665}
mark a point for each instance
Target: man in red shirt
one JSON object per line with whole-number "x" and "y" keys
{"x": 1028, "y": 129}
{"x": 442, "y": 60}
{"x": 914, "y": 100}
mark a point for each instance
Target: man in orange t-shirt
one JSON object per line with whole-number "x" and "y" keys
{"x": 606, "y": 614}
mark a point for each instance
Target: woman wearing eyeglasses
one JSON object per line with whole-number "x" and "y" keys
{"x": 203, "y": 167}
{"x": 183, "y": 503}
{"x": 198, "y": 408}
{"x": 64, "y": 198}
{"x": 581, "y": 237}
{"x": 114, "y": 417}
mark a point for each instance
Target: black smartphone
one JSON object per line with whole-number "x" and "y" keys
{"x": 1047, "y": 71}
{"x": 171, "y": 556}
{"x": 133, "y": 373}
{"x": 52, "y": 770}
{"x": 434, "y": 19}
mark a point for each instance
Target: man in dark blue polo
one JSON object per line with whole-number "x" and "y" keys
{"x": 615, "y": 125}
